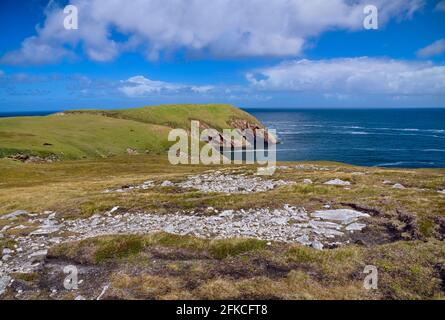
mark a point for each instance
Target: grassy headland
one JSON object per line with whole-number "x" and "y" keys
{"x": 103, "y": 133}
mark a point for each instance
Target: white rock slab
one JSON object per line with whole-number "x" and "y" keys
{"x": 345, "y": 216}
{"x": 14, "y": 214}
{"x": 355, "y": 227}
{"x": 167, "y": 183}
{"x": 4, "y": 282}
{"x": 337, "y": 182}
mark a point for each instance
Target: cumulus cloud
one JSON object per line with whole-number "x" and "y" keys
{"x": 140, "y": 86}
{"x": 35, "y": 51}
{"x": 434, "y": 49}
{"x": 352, "y": 76}
{"x": 222, "y": 28}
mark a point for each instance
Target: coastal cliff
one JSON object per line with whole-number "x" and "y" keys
{"x": 84, "y": 134}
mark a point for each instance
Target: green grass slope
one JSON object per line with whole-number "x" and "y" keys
{"x": 102, "y": 133}
{"x": 217, "y": 116}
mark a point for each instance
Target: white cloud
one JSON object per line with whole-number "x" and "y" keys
{"x": 202, "y": 89}
{"x": 139, "y": 86}
{"x": 352, "y": 76}
{"x": 440, "y": 6}
{"x": 34, "y": 51}
{"x": 218, "y": 28}
{"x": 434, "y": 49}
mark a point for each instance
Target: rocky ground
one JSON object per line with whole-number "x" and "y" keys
{"x": 216, "y": 181}
{"x": 27, "y": 237}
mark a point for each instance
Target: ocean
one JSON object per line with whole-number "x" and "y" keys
{"x": 406, "y": 138}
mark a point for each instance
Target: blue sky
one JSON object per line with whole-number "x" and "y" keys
{"x": 253, "y": 54}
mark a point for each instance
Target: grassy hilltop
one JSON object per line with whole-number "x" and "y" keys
{"x": 102, "y": 133}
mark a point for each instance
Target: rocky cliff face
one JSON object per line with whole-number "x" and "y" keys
{"x": 248, "y": 134}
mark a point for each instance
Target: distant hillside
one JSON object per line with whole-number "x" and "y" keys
{"x": 102, "y": 133}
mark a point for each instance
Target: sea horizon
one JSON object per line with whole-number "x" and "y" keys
{"x": 41, "y": 112}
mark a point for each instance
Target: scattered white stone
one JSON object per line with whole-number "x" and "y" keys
{"x": 4, "y": 283}
{"x": 287, "y": 224}
{"x": 14, "y": 214}
{"x": 398, "y": 186}
{"x": 230, "y": 183}
{"x": 79, "y": 298}
{"x": 337, "y": 182}
{"x": 48, "y": 227}
{"x": 307, "y": 181}
{"x": 102, "y": 293}
{"x": 167, "y": 183}
{"x": 144, "y": 186}
{"x": 19, "y": 227}
{"x": 317, "y": 245}
{"x": 355, "y": 226}
{"x": 311, "y": 167}
{"x": 441, "y": 191}
{"x": 7, "y": 251}
{"x": 304, "y": 240}
{"x": 226, "y": 213}
{"x": 114, "y": 209}
{"x": 38, "y": 255}
{"x": 169, "y": 229}
{"x": 215, "y": 181}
